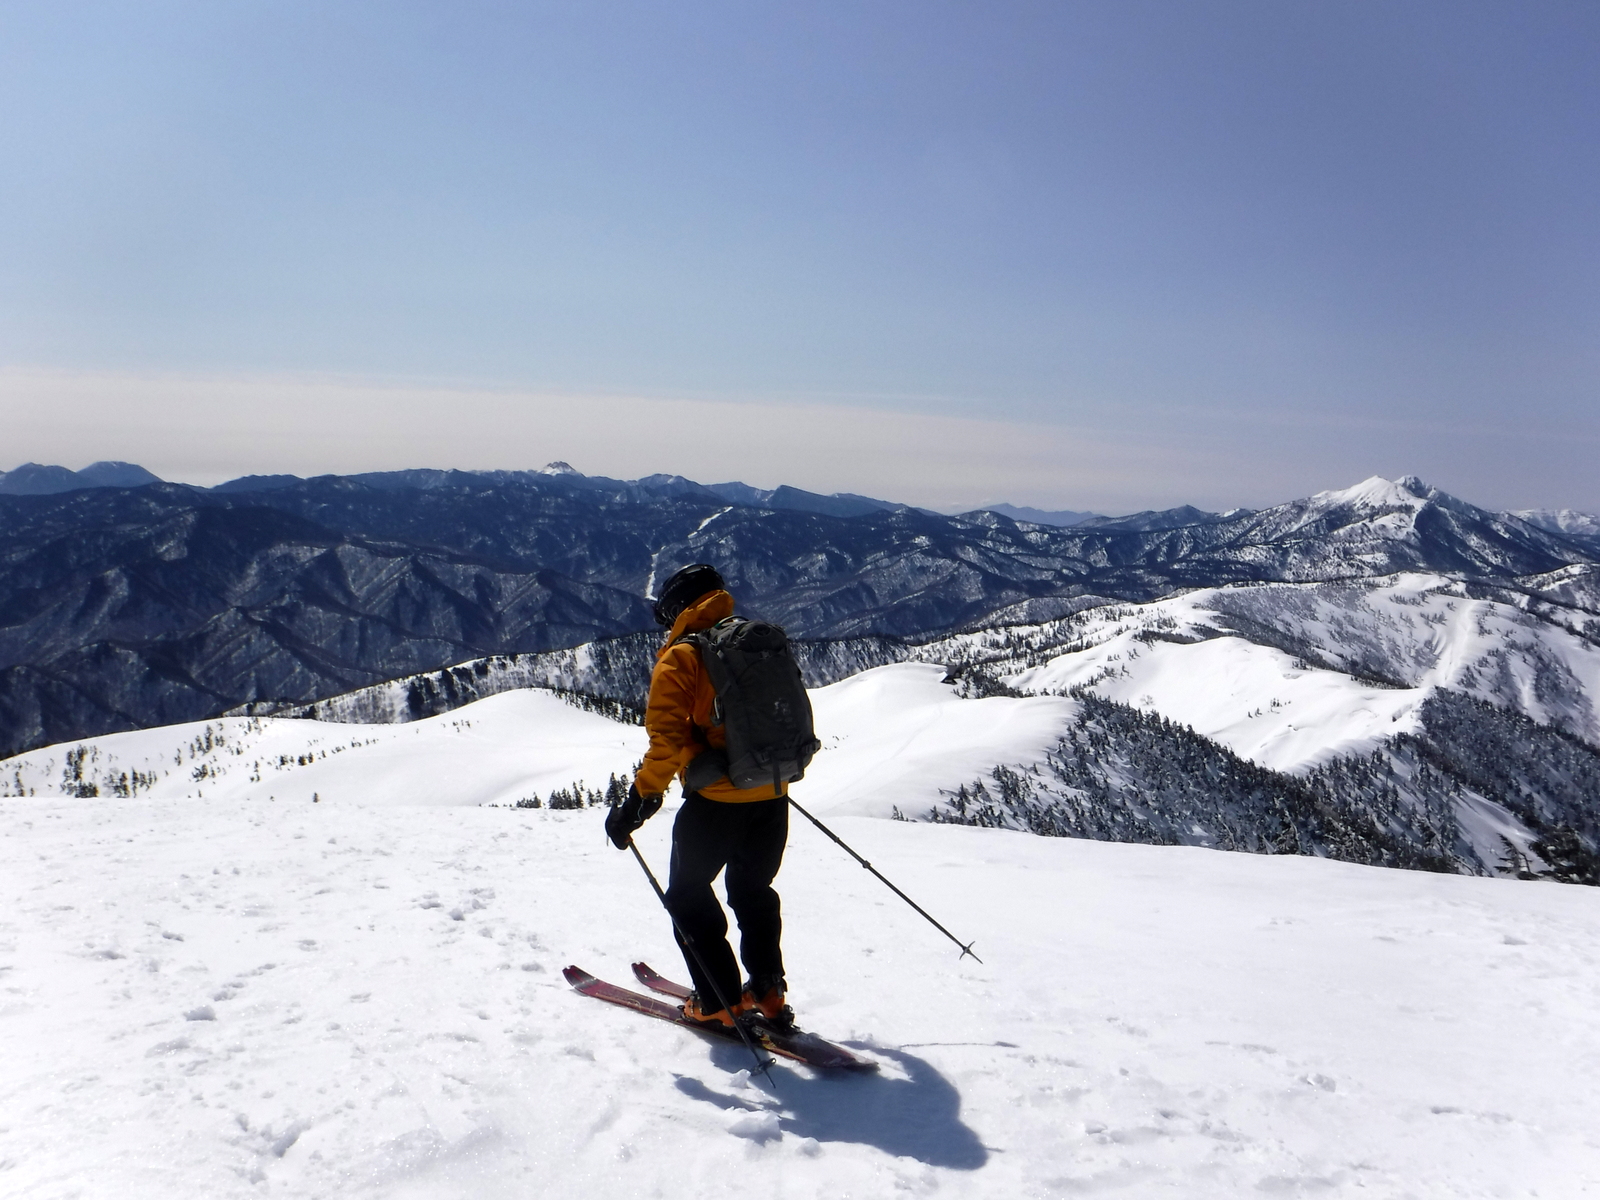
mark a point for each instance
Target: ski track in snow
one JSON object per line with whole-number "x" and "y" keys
{"x": 244, "y": 998}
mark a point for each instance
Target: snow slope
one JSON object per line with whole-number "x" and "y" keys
{"x": 1256, "y": 700}
{"x": 500, "y": 750}
{"x": 893, "y": 737}
{"x": 231, "y": 998}
{"x": 1288, "y": 674}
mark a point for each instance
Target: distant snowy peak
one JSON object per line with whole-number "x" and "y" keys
{"x": 1377, "y": 511}
{"x": 1562, "y": 520}
{"x": 558, "y": 468}
{"x": 1375, "y": 507}
{"x": 1581, "y": 527}
{"x": 1377, "y": 494}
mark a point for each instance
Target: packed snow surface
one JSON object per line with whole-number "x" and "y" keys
{"x": 220, "y": 987}
{"x": 243, "y": 998}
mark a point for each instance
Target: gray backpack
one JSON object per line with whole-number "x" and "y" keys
{"x": 761, "y": 704}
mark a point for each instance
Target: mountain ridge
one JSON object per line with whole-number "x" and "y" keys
{"x": 36, "y": 479}
{"x": 122, "y": 607}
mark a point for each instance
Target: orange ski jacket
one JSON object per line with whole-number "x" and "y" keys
{"x": 678, "y": 715}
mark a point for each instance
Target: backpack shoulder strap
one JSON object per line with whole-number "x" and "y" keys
{"x": 703, "y": 637}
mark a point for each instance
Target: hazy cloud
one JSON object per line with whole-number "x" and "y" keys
{"x": 204, "y": 429}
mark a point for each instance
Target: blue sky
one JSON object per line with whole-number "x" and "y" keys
{"x": 1127, "y": 254}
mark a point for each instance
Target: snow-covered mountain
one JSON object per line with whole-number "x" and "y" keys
{"x": 1401, "y": 723}
{"x": 1477, "y": 713}
{"x": 1380, "y": 527}
{"x": 1305, "y": 662}
{"x": 121, "y": 608}
{"x": 1580, "y": 527}
{"x": 1462, "y": 723}
{"x": 1336, "y": 667}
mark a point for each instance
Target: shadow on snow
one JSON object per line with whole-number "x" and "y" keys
{"x": 917, "y": 1116}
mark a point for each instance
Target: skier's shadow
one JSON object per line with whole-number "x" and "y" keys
{"x": 918, "y": 1116}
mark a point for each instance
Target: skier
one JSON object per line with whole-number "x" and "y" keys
{"x": 720, "y": 825}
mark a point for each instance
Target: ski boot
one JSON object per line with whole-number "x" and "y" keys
{"x": 763, "y": 1001}
{"x": 695, "y": 1012}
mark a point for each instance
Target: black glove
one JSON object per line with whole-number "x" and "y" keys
{"x": 626, "y": 817}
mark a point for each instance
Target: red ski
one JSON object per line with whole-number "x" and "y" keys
{"x": 807, "y": 1047}
{"x": 799, "y": 1047}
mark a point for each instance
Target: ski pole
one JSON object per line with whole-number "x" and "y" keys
{"x": 966, "y": 948}
{"x": 763, "y": 1065}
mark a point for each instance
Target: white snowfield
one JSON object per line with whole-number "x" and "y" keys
{"x": 1256, "y": 700}
{"x": 893, "y": 737}
{"x": 220, "y": 986}
{"x": 508, "y": 748}
{"x": 240, "y": 998}
{"x": 1201, "y": 659}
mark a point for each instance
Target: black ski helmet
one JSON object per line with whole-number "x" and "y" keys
{"x": 683, "y": 589}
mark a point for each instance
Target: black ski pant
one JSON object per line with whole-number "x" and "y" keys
{"x": 748, "y": 839}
